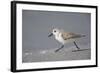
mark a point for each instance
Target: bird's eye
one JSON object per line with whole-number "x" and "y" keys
{"x": 55, "y": 31}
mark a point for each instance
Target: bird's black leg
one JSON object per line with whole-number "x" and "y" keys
{"x": 76, "y": 45}
{"x": 78, "y": 48}
{"x": 59, "y": 48}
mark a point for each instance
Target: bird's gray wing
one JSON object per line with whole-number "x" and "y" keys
{"x": 69, "y": 35}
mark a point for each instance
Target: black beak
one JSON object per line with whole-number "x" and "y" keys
{"x": 50, "y": 35}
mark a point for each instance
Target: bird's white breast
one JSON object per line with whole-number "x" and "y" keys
{"x": 59, "y": 38}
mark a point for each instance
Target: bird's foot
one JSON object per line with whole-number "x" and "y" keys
{"x": 57, "y": 50}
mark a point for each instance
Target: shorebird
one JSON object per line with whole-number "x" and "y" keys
{"x": 64, "y": 37}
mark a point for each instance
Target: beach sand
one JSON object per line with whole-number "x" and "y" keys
{"x": 64, "y": 54}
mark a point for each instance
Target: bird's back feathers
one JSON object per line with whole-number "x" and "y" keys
{"x": 70, "y": 35}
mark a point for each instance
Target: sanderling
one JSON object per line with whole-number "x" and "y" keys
{"x": 64, "y": 37}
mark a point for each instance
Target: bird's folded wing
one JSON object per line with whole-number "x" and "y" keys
{"x": 69, "y": 35}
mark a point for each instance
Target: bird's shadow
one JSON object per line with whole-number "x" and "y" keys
{"x": 80, "y": 50}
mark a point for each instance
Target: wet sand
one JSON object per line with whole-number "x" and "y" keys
{"x": 50, "y": 55}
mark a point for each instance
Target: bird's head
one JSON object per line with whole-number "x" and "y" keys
{"x": 55, "y": 31}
